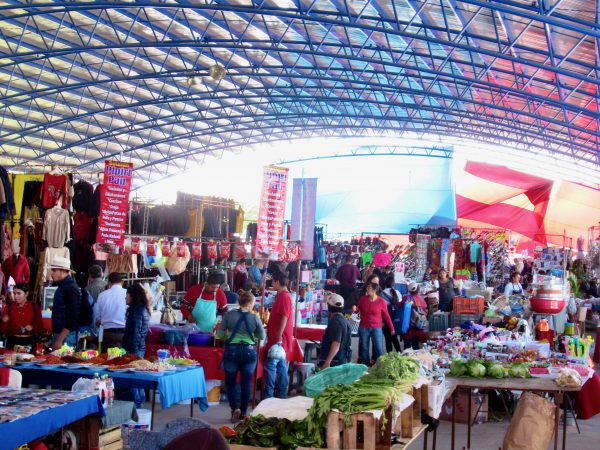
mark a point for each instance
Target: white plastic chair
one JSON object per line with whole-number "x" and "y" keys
{"x": 15, "y": 379}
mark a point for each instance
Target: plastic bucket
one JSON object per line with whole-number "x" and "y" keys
{"x": 143, "y": 423}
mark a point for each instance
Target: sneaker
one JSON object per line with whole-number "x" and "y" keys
{"x": 235, "y": 415}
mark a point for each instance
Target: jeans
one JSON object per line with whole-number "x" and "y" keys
{"x": 240, "y": 358}
{"x": 138, "y": 394}
{"x": 70, "y": 340}
{"x": 365, "y": 335}
{"x": 276, "y": 378}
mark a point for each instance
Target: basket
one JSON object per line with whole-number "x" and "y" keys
{"x": 438, "y": 322}
{"x": 344, "y": 374}
{"x": 354, "y": 322}
{"x": 456, "y": 320}
{"x": 468, "y": 305}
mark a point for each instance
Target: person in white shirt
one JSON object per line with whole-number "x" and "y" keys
{"x": 110, "y": 312}
{"x": 514, "y": 286}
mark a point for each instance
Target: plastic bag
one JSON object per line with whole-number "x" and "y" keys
{"x": 344, "y": 374}
{"x": 276, "y": 352}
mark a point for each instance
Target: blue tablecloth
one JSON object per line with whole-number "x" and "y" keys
{"x": 18, "y": 432}
{"x": 174, "y": 387}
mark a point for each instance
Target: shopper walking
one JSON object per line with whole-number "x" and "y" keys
{"x": 347, "y": 275}
{"x": 110, "y": 311}
{"x": 418, "y": 316}
{"x": 21, "y": 319}
{"x": 373, "y": 312}
{"x": 279, "y": 339}
{"x": 137, "y": 320}
{"x": 241, "y": 330}
{"x": 446, "y": 290}
{"x": 393, "y": 298}
{"x": 95, "y": 284}
{"x": 66, "y": 304}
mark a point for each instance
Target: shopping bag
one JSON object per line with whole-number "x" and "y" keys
{"x": 400, "y": 315}
{"x": 532, "y": 424}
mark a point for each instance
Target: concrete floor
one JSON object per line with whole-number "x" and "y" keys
{"x": 486, "y": 436}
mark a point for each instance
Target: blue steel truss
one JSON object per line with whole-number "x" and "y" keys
{"x": 84, "y": 81}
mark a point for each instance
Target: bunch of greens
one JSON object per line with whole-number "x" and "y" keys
{"x": 272, "y": 432}
{"x": 395, "y": 367}
{"x": 519, "y": 370}
{"x": 476, "y": 368}
{"x": 494, "y": 369}
{"x": 458, "y": 368}
{"x": 365, "y": 395}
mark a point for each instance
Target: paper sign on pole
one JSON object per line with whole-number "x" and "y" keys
{"x": 114, "y": 203}
{"x": 271, "y": 212}
{"x": 399, "y": 272}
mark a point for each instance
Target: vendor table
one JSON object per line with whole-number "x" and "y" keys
{"x": 310, "y": 332}
{"x": 29, "y": 414}
{"x": 174, "y": 387}
{"x": 211, "y": 357}
{"x": 514, "y": 384}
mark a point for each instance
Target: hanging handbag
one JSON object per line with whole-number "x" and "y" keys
{"x": 168, "y": 315}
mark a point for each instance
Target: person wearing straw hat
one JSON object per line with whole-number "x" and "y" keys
{"x": 66, "y": 304}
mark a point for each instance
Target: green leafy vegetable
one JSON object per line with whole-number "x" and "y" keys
{"x": 519, "y": 370}
{"x": 475, "y": 368}
{"x": 458, "y": 368}
{"x": 495, "y": 370}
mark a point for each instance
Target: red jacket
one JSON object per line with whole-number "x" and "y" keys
{"x": 19, "y": 270}
{"x": 373, "y": 313}
{"x": 28, "y": 314}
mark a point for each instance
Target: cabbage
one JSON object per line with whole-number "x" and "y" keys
{"x": 458, "y": 368}
{"x": 476, "y": 369}
{"x": 495, "y": 370}
{"x": 519, "y": 370}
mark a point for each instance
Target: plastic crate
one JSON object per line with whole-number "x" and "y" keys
{"x": 468, "y": 305}
{"x": 438, "y": 322}
{"x": 456, "y": 320}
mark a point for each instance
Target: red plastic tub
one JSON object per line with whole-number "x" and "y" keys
{"x": 547, "y": 306}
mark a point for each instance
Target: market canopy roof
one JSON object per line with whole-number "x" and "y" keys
{"x": 82, "y": 82}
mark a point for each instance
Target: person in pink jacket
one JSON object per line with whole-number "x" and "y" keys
{"x": 373, "y": 311}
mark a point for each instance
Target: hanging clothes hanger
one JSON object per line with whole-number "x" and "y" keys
{"x": 55, "y": 170}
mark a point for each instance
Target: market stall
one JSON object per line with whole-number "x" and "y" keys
{"x": 29, "y": 414}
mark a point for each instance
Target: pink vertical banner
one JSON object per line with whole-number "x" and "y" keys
{"x": 271, "y": 212}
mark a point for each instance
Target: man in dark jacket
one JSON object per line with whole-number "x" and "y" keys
{"x": 66, "y": 305}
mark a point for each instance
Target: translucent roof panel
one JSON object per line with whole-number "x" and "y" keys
{"x": 81, "y": 82}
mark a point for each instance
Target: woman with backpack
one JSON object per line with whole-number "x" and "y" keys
{"x": 21, "y": 319}
{"x": 418, "y": 318}
{"x": 392, "y": 298}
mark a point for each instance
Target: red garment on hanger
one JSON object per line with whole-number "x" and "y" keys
{"x": 18, "y": 269}
{"x": 53, "y": 188}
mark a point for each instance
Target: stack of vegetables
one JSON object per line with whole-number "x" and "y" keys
{"x": 480, "y": 368}
{"x": 380, "y": 388}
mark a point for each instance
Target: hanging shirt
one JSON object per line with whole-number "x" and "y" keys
{"x": 475, "y": 252}
{"x": 53, "y": 188}
{"x": 17, "y": 267}
{"x": 56, "y": 227}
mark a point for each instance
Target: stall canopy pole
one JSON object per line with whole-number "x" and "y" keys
{"x": 297, "y": 296}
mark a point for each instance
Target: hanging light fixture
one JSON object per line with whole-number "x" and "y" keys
{"x": 217, "y": 72}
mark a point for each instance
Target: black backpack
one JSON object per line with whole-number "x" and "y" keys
{"x": 86, "y": 314}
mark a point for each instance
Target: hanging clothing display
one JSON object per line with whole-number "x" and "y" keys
{"x": 7, "y": 248}
{"x": 7, "y": 200}
{"x": 239, "y": 221}
{"x": 96, "y": 201}
{"x": 49, "y": 255}
{"x": 56, "y": 227}
{"x": 32, "y": 191}
{"x": 196, "y": 223}
{"x": 31, "y": 213}
{"x": 17, "y": 267}
{"x": 82, "y": 227}
{"x": 83, "y": 193}
{"x": 53, "y": 190}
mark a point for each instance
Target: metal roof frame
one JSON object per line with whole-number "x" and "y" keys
{"x": 84, "y": 81}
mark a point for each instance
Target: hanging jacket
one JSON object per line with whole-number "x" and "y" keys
{"x": 18, "y": 269}
{"x": 7, "y": 207}
{"x": 83, "y": 195}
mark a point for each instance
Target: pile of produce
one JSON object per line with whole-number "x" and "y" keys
{"x": 262, "y": 432}
{"x": 381, "y": 388}
{"x": 479, "y": 368}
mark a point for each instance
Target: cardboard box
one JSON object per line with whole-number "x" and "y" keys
{"x": 462, "y": 402}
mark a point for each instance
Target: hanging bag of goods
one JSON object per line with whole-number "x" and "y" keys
{"x": 166, "y": 248}
{"x": 196, "y": 250}
{"x": 225, "y": 247}
{"x": 151, "y": 248}
{"x": 180, "y": 248}
{"x": 240, "y": 251}
{"x": 211, "y": 250}
{"x": 135, "y": 245}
